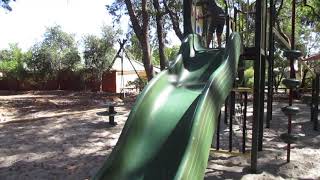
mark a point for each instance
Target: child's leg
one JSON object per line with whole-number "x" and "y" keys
{"x": 219, "y": 34}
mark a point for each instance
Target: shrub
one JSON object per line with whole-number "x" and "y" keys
{"x": 249, "y": 77}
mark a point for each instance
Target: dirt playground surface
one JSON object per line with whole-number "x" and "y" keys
{"x": 65, "y": 135}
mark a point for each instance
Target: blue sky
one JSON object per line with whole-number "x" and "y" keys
{"x": 27, "y": 22}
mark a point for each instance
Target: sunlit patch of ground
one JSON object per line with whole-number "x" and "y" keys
{"x": 56, "y": 135}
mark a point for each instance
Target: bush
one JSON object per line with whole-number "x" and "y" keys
{"x": 138, "y": 83}
{"x": 249, "y": 77}
{"x": 12, "y": 69}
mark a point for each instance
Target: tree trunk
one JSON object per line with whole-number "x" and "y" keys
{"x": 159, "y": 22}
{"x": 146, "y": 58}
{"x": 142, "y": 33}
{"x": 303, "y": 81}
{"x": 174, "y": 20}
{"x": 278, "y": 82}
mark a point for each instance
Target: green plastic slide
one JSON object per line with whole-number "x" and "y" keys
{"x": 169, "y": 131}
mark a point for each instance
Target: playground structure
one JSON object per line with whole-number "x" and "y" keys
{"x": 170, "y": 129}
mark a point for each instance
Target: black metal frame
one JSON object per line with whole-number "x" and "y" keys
{"x": 257, "y": 92}
{"x": 259, "y": 74}
{"x": 270, "y": 65}
{"x": 315, "y": 101}
{"x": 231, "y": 115}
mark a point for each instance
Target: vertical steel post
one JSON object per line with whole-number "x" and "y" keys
{"x": 256, "y": 89}
{"x": 316, "y": 108}
{"x": 313, "y": 92}
{"x": 244, "y": 124}
{"x": 228, "y": 27}
{"x": 218, "y": 132}
{"x": 187, "y": 11}
{"x": 232, "y": 104}
{"x": 226, "y": 110}
{"x": 270, "y": 65}
{"x": 292, "y": 72}
{"x": 111, "y": 115}
{"x": 235, "y": 18}
{"x": 122, "y": 93}
{"x": 261, "y": 114}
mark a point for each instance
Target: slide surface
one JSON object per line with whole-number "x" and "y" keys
{"x": 169, "y": 131}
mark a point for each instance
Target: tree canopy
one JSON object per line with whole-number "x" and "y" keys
{"x": 57, "y": 51}
{"x": 99, "y": 51}
{"x": 6, "y": 4}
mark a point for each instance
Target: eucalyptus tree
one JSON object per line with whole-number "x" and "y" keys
{"x": 5, "y": 4}
{"x": 12, "y": 60}
{"x": 62, "y": 48}
{"x": 139, "y": 14}
{"x": 145, "y": 16}
{"x": 57, "y": 51}
{"x": 99, "y": 51}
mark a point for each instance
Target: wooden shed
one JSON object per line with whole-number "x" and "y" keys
{"x": 122, "y": 71}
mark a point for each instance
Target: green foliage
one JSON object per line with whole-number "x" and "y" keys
{"x": 99, "y": 51}
{"x": 11, "y": 62}
{"x": 40, "y": 61}
{"x": 138, "y": 83}
{"x": 170, "y": 53}
{"x": 58, "y": 51}
{"x": 8, "y": 66}
{"x": 61, "y": 48}
{"x": 134, "y": 48}
{"x": 249, "y": 77}
{"x": 71, "y": 59}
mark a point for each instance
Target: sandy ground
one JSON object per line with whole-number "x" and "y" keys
{"x": 272, "y": 164}
{"x": 62, "y": 135}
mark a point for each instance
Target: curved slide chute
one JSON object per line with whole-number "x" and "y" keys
{"x": 170, "y": 128}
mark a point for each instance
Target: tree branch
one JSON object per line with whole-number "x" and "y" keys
{"x": 312, "y": 8}
{"x": 145, "y": 17}
{"x": 282, "y": 33}
{"x": 134, "y": 20}
{"x": 174, "y": 20}
{"x": 159, "y": 22}
{"x": 280, "y": 8}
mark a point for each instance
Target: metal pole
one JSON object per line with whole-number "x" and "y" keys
{"x": 232, "y": 103}
{"x": 313, "y": 92}
{"x": 226, "y": 111}
{"x": 316, "y": 108}
{"x": 270, "y": 67}
{"x": 244, "y": 124}
{"x": 262, "y": 87}
{"x": 218, "y": 132}
{"x": 235, "y": 18}
{"x": 227, "y": 20}
{"x": 256, "y": 89}
{"x": 228, "y": 27}
{"x": 122, "y": 93}
{"x": 187, "y": 11}
{"x": 111, "y": 115}
{"x": 133, "y": 66}
{"x": 263, "y": 76}
{"x": 293, "y": 22}
{"x": 247, "y": 24}
{"x": 292, "y": 73}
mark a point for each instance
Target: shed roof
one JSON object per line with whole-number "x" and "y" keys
{"x": 127, "y": 66}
